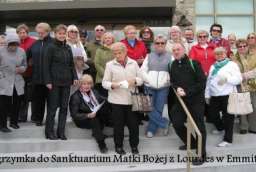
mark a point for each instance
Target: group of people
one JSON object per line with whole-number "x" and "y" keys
{"x": 95, "y": 80}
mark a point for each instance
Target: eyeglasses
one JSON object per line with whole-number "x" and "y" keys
{"x": 242, "y": 46}
{"x": 215, "y": 30}
{"x": 251, "y": 37}
{"x": 146, "y": 31}
{"x": 73, "y": 31}
{"x": 159, "y": 43}
{"x": 99, "y": 30}
{"x": 202, "y": 36}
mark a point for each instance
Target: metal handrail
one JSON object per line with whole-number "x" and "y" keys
{"x": 191, "y": 128}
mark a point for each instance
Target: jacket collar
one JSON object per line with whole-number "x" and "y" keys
{"x": 129, "y": 61}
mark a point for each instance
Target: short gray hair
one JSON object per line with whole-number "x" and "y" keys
{"x": 202, "y": 31}
{"x": 118, "y": 46}
{"x": 220, "y": 50}
{"x": 160, "y": 36}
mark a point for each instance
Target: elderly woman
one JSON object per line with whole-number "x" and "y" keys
{"x": 136, "y": 49}
{"x": 103, "y": 55}
{"x": 155, "y": 73}
{"x": 2, "y": 41}
{"x": 232, "y": 44}
{"x": 147, "y": 36}
{"x": 247, "y": 64}
{"x": 121, "y": 76}
{"x": 83, "y": 109}
{"x": 12, "y": 64}
{"x": 73, "y": 40}
{"x": 60, "y": 74}
{"x": 251, "y": 40}
{"x": 224, "y": 76}
{"x": 203, "y": 52}
{"x": 176, "y": 37}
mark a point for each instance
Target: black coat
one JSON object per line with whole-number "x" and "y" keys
{"x": 79, "y": 108}
{"x": 59, "y": 65}
{"x": 37, "y": 53}
{"x": 193, "y": 81}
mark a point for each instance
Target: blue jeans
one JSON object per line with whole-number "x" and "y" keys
{"x": 155, "y": 117}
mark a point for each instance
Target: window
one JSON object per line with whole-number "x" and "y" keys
{"x": 236, "y": 16}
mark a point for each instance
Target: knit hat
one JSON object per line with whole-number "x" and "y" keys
{"x": 12, "y": 37}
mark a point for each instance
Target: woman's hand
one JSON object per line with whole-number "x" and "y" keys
{"x": 91, "y": 115}
{"x": 115, "y": 85}
{"x": 131, "y": 82}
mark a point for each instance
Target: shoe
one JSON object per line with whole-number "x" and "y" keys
{"x": 15, "y": 126}
{"x": 5, "y": 130}
{"x": 243, "y": 131}
{"x": 62, "y": 137}
{"x": 217, "y": 131}
{"x": 39, "y": 123}
{"x": 253, "y": 132}
{"x": 224, "y": 144}
{"x": 149, "y": 134}
{"x": 102, "y": 146}
{"x": 51, "y": 137}
{"x": 196, "y": 161}
{"x": 184, "y": 147}
{"x": 135, "y": 150}
{"x": 120, "y": 151}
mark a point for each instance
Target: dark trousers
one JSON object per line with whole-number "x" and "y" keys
{"x": 24, "y": 104}
{"x": 122, "y": 115}
{"x": 96, "y": 124}
{"x": 13, "y": 104}
{"x": 58, "y": 97}
{"x": 179, "y": 118}
{"x": 39, "y": 98}
{"x": 226, "y": 123}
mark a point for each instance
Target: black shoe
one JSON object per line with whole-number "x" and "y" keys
{"x": 39, "y": 123}
{"x": 135, "y": 150}
{"x": 5, "y": 130}
{"x": 253, "y": 132}
{"x": 14, "y": 126}
{"x": 198, "y": 161}
{"x": 243, "y": 131}
{"x": 184, "y": 147}
{"x": 22, "y": 120}
{"x": 51, "y": 137}
{"x": 120, "y": 151}
{"x": 62, "y": 137}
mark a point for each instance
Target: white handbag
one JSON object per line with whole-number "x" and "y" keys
{"x": 239, "y": 103}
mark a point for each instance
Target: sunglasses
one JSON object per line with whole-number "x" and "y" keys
{"x": 252, "y": 37}
{"x": 99, "y": 30}
{"x": 73, "y": 31}
{"x": 204, "y": 36}
{"x": 215, "y": 30}
{"x": 159, "y": 43}
{"x": 146, "y": 31}
{"x": 242, "y": 46}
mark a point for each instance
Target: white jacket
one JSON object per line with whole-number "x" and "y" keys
{"x": 154, "y": 79}
{"x": 231, "y": 73}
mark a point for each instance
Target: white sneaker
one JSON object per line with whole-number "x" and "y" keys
{"x": 224, "y": 144}
{"x": 217, "y": 131}
{"x": 149, "y": 134}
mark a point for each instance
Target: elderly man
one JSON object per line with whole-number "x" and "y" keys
{"x": 37, "y": 52}
{"x": 188, "y": 79}
{"x": 121, "y": 76}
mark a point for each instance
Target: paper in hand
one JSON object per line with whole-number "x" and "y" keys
{"x": 124, "y": 84}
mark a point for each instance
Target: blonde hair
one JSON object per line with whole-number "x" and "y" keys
{"x": 87, "y": 79}
{"x": 105, "y": 35}
{"x": 127, "y": 28}
{"x": 73, "y": 28}
{"x": 44, "y": 26}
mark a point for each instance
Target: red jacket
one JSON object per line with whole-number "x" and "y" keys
{"x": 25, "y": 45}
{"x": 139, "y": 51}
{"x": 203, "y": 56}
{"x": 222, "y": 43}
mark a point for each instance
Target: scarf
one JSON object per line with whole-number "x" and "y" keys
{"x": 218, "y": 65}
{"x": 131, "y": 43}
